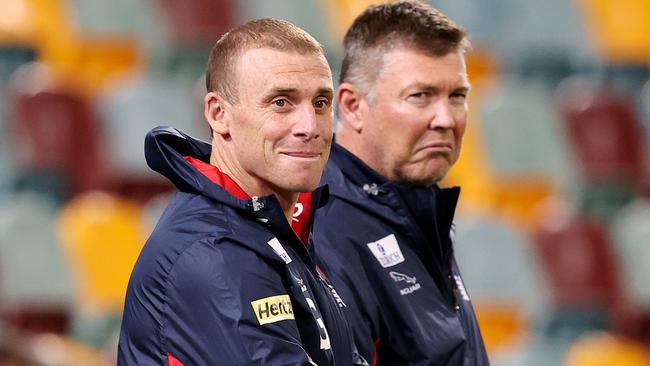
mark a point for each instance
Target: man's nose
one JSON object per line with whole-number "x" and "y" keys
{"x": 443, "y": 117}
{"x": 306, "y": 123}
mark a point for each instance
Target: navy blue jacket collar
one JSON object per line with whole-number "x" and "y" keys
{"x": 165, "y": 148}
{"x": 354, "y": 169}
{"x": 443, "y": 200}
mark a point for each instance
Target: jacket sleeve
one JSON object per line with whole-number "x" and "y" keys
{"x": 227, "y": 306}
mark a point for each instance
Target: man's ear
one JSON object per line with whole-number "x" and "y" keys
{"x": 352, "y": 106}
{"x": 213, "y": 109}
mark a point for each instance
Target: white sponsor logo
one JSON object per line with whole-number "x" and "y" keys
{"x": 387, "y": 251}
{"x": 298, "y": 209}
{"x": 336, "y": 296}
{"x": 279, "y": 250}
{"x": 410, "y": 289}
{"x": 324, "y": 337}
{"x": 461, "y": 288}
{"x": 401, "y": 277}
{"x": 397, "y": 277}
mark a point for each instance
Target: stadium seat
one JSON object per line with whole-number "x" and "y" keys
{"x": 522, "y": 133}
{"x": 645, "y": 110}
{"x": 134, "y": 106}
{"x": 310, "y": 15}
{"x": 578, "y": 259}
{"x": 36, "y": 286}
{"x": 619, "y": 31}
{"x": 102, "y": 235}
{"x": 198, "y": 22}
{"x": 580, "y": 263}
{"x": 55, "y": 134}
{"x": 607, "y": 349}
{"x": 604, "y": 131}
{"x": 11, "y": 58}
{"x": 501, "y": 171}
{"x": 491, "y": 253}
{"x": 631, "y": 234}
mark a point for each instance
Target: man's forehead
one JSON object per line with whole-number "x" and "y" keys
{"x": 283, "y": 61}
{"x": 415, "y": 60}
{"x": 283, "y": 71}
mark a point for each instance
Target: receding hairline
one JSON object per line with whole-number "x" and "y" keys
{"x": 271, "y": 33}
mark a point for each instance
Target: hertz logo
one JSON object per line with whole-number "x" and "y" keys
{"x": 273, "y": 309}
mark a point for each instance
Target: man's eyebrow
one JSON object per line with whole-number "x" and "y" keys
{"x": 280, "y": 90}
{"x": 328, "y": 92}
{"x": 464, "y": 87}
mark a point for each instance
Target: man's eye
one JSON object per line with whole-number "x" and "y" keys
{"x": 280, "y": 102}
{"x": 459, "y": 96}
{"x": 321, "y": 104}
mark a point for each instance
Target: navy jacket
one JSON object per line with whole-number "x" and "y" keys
{"x": 225, "y": 281}
{"x": 390, "y": 256}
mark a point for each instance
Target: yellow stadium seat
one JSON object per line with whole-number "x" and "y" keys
{"x": 341, "y": 13}
{"x": 604, "y": 349}
{"x": 88, "y": 63}
{"x": 102, "y": 235}
{"x": 621, "y": 29}
{"x": 502, "y": 324}
{"x": 16, "y": 24}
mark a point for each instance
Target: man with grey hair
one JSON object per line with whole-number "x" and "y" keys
{"x": 226, "y": 277}
{"x": 385, "y": 236}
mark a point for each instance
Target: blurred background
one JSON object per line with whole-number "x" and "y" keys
{"x": 553, "y": 229}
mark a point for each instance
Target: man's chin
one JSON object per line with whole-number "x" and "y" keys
{"x": 422, "y": 179}
{"x": 303, "y": 186}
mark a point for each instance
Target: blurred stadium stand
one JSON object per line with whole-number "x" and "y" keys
{"x": 553, "y": 224}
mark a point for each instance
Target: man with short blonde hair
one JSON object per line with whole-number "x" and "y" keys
{"x": 225, "y": 278}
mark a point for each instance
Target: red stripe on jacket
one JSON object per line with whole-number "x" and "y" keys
{"x": 302, "y": 211}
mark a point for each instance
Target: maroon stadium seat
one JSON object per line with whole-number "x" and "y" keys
{"x": 54, "y": 130}
{"x": 604, "y": 131}
{"x": 197, "y": 22}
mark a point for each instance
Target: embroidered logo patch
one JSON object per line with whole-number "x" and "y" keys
{"x": 387, "y": 251}
{"x": 273, "y": 309}
{"x": 410, "y": 281}
{"x": 398, "y": 277}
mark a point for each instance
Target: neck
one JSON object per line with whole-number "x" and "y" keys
{"x": 225, "y": 161}
{"x": 351, "y": 140}
{"x": 345, "y": 138}
{"x": 288, "y": 204}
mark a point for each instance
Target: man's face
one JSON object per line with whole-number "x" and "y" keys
{"x": 281, "y": 127}
{"x": 414, "y": 124}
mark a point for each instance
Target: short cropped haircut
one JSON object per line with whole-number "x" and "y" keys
{"x": 221, "y": 75}
{"x": 384, "y": 27}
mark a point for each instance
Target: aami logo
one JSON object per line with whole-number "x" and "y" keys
{"x": 273, "y": 309}
{"x": 387, "y": 251}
